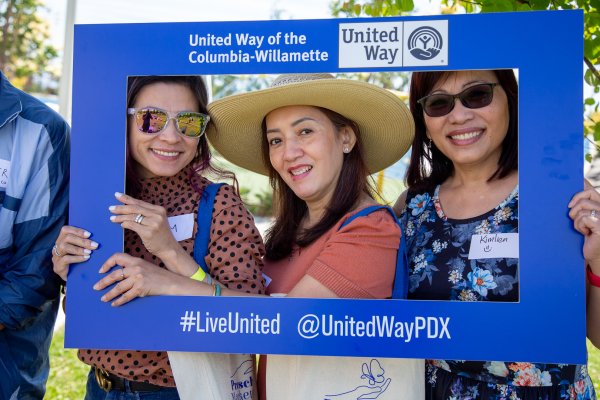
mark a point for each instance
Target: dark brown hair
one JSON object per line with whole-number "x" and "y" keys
{"x": 289, "y": 209}
{"x": 428, "y": 169}
{"x": 201, "y": 162}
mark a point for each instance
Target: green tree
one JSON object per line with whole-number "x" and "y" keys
{"x": 24, "y": 47}
{"x": 591, "y": 33}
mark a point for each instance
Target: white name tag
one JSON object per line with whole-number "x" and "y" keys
{"x": 182, "y": 226}
{"x": 494, "y": 245}
{"x": 4, "y": 167}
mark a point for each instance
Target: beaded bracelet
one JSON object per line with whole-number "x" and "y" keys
{"x": 593, "y": 279}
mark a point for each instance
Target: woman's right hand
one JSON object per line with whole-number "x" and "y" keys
{"x": 72, "y": 246}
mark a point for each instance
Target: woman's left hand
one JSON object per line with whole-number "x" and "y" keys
{"x": 135, "y": 278}
{"x": 149, "y": 221}
{"x": 585, "y": 213}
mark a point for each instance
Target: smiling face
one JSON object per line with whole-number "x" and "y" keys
{"x": 166, "y": 153}
{"x": 470, "y": 137}
{"x": 307, "y": 150}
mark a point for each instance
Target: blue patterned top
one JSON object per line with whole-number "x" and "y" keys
{"x": 439, "y": 269}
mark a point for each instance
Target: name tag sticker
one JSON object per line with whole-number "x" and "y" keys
{"x": 4, "y": 167}
{"x": 495, "y": 245}
{"x": 182, "y": 226}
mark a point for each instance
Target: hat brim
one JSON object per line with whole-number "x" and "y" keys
{"x": 385, "y": 122}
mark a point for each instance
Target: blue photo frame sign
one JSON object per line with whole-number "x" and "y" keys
{"x": 546, "y": 325}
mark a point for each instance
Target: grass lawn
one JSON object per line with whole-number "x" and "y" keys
{"x": 68, "y": 375}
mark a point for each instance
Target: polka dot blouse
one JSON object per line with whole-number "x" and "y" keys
{"x": 234, "y": 259}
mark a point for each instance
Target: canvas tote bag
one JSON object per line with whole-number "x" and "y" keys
{"x": 214, "y": 376}
{"x": 344, "y": 378}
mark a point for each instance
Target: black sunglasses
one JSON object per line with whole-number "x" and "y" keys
{"x": 440, "y": 104}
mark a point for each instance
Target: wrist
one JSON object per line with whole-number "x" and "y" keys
{"x": 592, "y": 278}
{"x": 199, "y": 275}
{"x": 178, "y": 261}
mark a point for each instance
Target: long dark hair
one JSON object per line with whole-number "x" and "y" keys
{"x": 428, "y": 169}
{"x": 202, "y": 161}
{"x": 290, "y": 209}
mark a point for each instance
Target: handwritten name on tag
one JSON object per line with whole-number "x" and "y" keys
{"x": 4, "y": 168}
{"x": 495, "y": 245}
{"x": 182, "y": 226}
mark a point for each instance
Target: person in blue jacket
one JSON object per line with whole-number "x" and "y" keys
{"x": 34, "y": 175}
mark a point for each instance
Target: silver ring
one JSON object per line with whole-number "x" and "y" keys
{"x": 139, "y": 218}
{"x": 55, "y": 251}
{"x": 593, "y": 214}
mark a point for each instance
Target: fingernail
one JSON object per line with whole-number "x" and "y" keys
{"x": 118, "y": 194}
{"x": 87, "y": 251}
{"x": 112, "y": 208}
{"x": 95, "y": 287}
{"x": 94, "y": 244}
{"x": 87, "y": 234}
{"x": 113, "y": 217}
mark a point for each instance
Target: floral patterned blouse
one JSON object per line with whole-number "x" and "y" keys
{"x": 439, "y": 269}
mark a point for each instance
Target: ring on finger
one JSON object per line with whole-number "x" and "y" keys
{"x": 55, "y": 251}
{"x": 138, "y": 219}
{"x": 593, "y": 214}
{"x": 122, "y": 274}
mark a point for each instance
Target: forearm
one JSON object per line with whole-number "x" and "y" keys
{"x": 179, "y": 262}
{"x": 178, "y": 285}
{"x": 593, "y": 309}
{"x": 593, "y": 315}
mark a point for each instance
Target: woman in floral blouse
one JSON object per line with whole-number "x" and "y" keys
{"x": 466, "y": 131}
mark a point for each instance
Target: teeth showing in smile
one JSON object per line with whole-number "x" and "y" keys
{"x": 300, "y": 171}
{"x": 166, "y": 153}
{"x": 466, "y": 136}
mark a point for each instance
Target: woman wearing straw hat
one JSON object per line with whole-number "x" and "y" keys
{"x": 318, "y": 138}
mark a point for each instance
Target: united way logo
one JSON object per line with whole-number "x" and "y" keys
{"x": 425, "y": 43}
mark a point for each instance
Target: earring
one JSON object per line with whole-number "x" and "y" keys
{"x": 346, "y": 149}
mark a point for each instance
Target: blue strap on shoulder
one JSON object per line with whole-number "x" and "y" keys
{"x": 400, "y": 288}
{"x": 205, "y": 207}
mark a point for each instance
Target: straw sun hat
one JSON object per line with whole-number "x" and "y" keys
{"x": 385, "y": 123}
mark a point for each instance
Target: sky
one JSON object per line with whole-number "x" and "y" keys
{"x": 138, "y": 11}
{"x": 134, "y": 11}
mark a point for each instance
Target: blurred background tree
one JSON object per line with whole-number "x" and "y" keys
{"x": 591, "y": 33}
{"x": 25, "y": 49}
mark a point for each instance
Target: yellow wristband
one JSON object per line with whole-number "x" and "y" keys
{"x": 200, "y": 275}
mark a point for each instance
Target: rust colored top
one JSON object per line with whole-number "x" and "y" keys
{"x": 357, "y": 261}
{"x": 234, "y": 259}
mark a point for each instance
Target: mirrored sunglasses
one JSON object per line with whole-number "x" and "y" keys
{"x": 440, "y": 104}
{"x": 152, "y": 120}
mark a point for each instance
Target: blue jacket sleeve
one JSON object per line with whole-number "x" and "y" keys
{"x": 27, "y": 280}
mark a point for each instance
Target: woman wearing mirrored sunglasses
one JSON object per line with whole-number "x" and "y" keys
{"x": 463, "y": 180}
{"x": 168, "y": 155}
